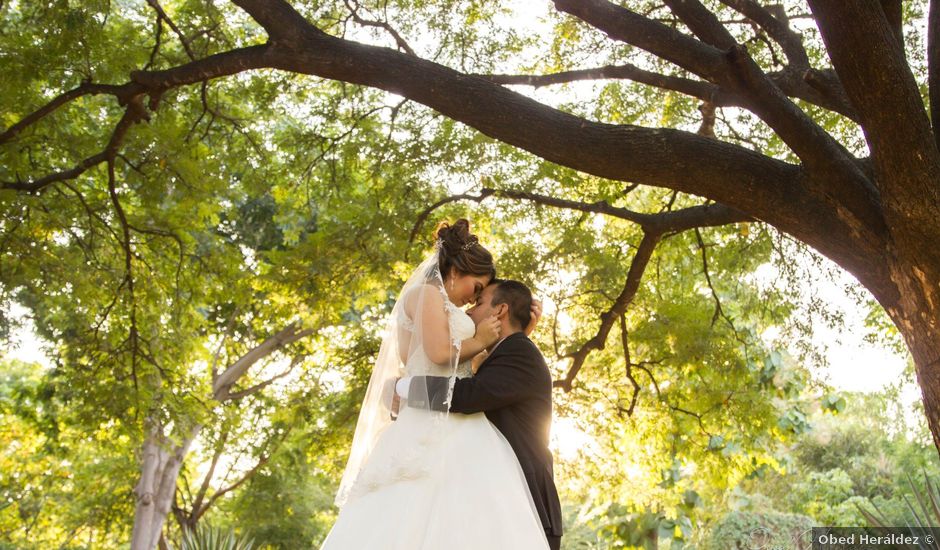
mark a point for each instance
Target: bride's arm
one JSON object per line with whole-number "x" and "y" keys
{"x": 470, "y": 347}
{"x": 435, "y": 330}
{"x": 487, "y": 334}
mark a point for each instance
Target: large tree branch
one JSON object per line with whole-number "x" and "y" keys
{"x": 770, "y": 190}
{"x": 134, "y": 113}
{"x": 703, "y": 23}
{"x": 707, "y": 215}
{"x": 155, "y": 82}
{"x": 827, "y": 160}
{"x": 792, "y": 84}
{"x": 707, "y": 60}
{"x": 281, "y": 21}
{"x": 777, "y": 27}
{"x": 86, "y": 88}
{"x": 878, "y": 80}
{"x": 621, "y": 152}
{"x": 894, "y": 14}
{"x": 227, "y": 378}
{"x": 702, "y": 90}
{"x": 215, "y": 66}
{"x": 131, "y": 95}
{"x": 641, "y": 259}
{"x": 697, "y": 57}
{"x": 660, "y": 40}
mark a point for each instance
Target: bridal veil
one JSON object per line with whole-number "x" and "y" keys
{"x": 416, "y": 340}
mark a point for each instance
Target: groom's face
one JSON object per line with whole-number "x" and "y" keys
{"x": 483, "y": 308}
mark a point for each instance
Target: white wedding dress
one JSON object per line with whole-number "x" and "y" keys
{"x": 457, "y": 487}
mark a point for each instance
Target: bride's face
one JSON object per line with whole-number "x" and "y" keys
{"x": 466, "y": 288}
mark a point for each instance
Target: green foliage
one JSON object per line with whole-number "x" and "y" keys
{"x": 833, "y": 403}
{"x": 849, "y": 462}
{"x": 579, "y": 533}
{"x": 829, "y": 497}
{"x": 638, "y": 529}
{"x": 289, "y": 503}
{"x": 59, "y": 478}
{"x": 923, "y": 513}
{"x": 745, "y": 530}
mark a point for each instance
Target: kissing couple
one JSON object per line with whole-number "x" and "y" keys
{"x": 451, "y": 446}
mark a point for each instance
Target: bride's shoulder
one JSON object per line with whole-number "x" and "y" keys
{"x": 424, "y": 290}
{"x": 426, "y": 294}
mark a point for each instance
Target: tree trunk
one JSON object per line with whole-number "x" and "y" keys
{"x": 915, "y": 315}
{"x": 157, "y": 486}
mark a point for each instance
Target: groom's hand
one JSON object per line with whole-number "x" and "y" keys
{"x": 488, "y": 331}
{"x": 536, "y": 315}
{"x": 478, "y": 360}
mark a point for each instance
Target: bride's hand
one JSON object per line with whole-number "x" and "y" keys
{"x": 478, "y": 360}
{"x": 488, "y": 331}
{"x": 536, "y": 315}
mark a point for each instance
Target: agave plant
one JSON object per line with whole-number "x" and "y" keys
{"x": 206, "y": 537}
{"x": 924, "y": 520}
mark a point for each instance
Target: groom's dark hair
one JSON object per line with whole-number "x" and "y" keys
{"x": 515, "y": 295}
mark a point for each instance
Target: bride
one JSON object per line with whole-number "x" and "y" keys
{"x": 432, "y": 480}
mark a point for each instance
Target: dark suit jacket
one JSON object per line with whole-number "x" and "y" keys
{"x": 513, "y": 387}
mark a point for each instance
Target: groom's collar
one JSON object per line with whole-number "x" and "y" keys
{"x": 501, "y": 340}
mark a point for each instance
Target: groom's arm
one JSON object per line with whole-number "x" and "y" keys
{"x": 503, "y": 381}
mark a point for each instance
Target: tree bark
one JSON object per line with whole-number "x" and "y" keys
{"x": 916, "y": 316}
{"x": 157, "y": 486}
{"x": 870, "y": 62}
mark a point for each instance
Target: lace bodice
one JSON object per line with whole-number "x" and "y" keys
{"x": 461, "y": 328}
{"x": 461, "y": 325}
{"x": 418, "y": 433}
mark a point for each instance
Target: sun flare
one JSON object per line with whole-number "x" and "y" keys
{"x": 567, "y": 439}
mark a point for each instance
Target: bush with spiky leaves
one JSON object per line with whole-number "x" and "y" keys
{"x": 922, "y": 520}
{"x": 207, "y": 537}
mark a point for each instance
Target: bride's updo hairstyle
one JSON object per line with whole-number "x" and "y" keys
{"x": 462, "y": 250}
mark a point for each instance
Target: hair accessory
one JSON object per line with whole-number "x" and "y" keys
{"x": 469, "y": 244}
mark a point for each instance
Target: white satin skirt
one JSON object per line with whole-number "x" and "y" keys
{"x": 439, "y": 482}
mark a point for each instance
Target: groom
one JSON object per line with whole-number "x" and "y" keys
{"x": 514, "y": 388}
